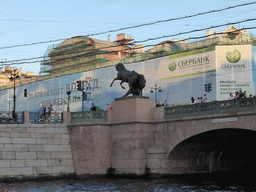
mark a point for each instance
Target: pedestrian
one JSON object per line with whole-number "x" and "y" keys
{"x": 158, "y": 104}
{"x": 165, "y": 104}
{"x": 108, "y": 107}
{"x": 199, "y": 100}
{"x": 231, "y": 96}
{"x": 237, "y": 95}
{"x": 50, "y": 110}
{"x": 245, "y": 94}
{"x": 93, "y": 108}
{"x": 241, "y": 95}
{"x": 192, "y": 100}
{"x": 205, "y": 99}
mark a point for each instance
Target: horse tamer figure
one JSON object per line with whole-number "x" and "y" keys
{"x": 135, "y": 80}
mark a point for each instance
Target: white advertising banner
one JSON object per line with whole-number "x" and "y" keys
{"x": 234, "y": 70}
{"x": 186, "y": 66}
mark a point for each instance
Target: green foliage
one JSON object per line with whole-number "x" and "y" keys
{"x": 193, "y": 52}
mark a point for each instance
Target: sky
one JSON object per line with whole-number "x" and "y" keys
{"x": 26, "y": 26}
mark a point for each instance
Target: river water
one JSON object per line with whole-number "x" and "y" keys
{"x": 184, "y": 183}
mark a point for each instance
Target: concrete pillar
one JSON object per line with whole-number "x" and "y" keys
{"x": 218, "y": 159}
{"x": 211, "y": 161}
{"x": 110, "y": 116}
{"x": 26, "y": 117}
{"x": 157, "y": 113}
{"x": 155, "y": 157}
{"x": 66, "y": 117}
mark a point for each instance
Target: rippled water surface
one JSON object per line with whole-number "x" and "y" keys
{"x": 202, "y": 183}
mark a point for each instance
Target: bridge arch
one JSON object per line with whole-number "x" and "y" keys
{"x": 215, "y": 150}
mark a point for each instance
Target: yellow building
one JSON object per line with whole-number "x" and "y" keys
{"x": 6, "y": 74}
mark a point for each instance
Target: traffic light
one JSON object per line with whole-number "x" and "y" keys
{"x": 209, "y": 87}
{"x": 79, "y": 86}
{"x": 206, "y": 88}
{"x": 25, "y": 93}
{"x": 84, "y": 96}
{"x": 44, "y": 109}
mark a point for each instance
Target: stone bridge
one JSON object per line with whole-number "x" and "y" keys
{"x": 138, "y": 139}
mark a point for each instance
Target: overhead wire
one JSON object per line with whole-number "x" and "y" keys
{"x": 109, "y": 52}
{"x": 136, "y": 26}
{"x": 142, "y": 41}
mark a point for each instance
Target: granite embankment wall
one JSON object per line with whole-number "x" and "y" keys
{"x": 30, "y": 150}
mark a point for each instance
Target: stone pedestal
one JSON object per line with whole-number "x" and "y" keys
{"x": 131, "y": 109}
{"x": 119, "y": 145}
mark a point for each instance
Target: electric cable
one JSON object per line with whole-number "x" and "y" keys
{"x": 142, "y": 41}
{"x": 136, "y": 26}
{"x": 108, "y": 52}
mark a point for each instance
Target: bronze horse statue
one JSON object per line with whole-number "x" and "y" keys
{"x": 135, "y": 80}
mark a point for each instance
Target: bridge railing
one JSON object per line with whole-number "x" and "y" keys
{"x": 40, "y": 118}
{"x": 88, "y": 116}
{"x": 34, "y": 118}
{"x": 6, "y": 117}
{"x": 215, "y": 107}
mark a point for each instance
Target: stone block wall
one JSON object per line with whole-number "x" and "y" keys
{"x": 91, "y": 149}
{"x": 32, "y": 150}
{"x": 128, "y": 146}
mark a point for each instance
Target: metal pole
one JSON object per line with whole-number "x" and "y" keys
{"x": 68, "y": 93}
{"x": 155, "y": 95}
{"x": 83, "y": 100}
{"x": 68, "y": 103}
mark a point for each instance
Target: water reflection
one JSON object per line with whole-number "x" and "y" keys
{"x": 195, "y": 183}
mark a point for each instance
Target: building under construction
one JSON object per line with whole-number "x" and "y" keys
{"x": 83, "y": 53}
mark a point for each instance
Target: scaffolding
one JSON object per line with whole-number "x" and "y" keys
{"x": 82, "y": 53}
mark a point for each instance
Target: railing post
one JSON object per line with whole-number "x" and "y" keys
{"x": 26, "y": 117}
{"x": 66, "y": 117}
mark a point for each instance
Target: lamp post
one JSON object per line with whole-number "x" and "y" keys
{"x": 156, "y": 89}
{"x": 68, "y": 93}
{"x": 14, "y": 76}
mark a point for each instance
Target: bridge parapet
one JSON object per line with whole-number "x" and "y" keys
{"x": 216, "y": 107}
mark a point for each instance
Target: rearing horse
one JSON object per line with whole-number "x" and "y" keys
{"x": 136, "y": 81}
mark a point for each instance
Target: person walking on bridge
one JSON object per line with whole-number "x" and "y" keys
{"x": 93, "y": 108}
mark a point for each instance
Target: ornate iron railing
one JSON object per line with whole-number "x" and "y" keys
{"x": 34, "y": 118}
{"x": 6, "y": 117}
{"x": 215, "y": 107}
{"x": 88, "y": 116}
{"x": 40, "y": 118}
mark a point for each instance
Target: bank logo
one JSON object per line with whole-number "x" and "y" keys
{"x": 233, "y": 56}
{"x": 172, "y": 66}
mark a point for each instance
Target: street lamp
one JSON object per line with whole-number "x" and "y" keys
{"x": 155, "y": 89}
{"x": 14, "y": 76}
